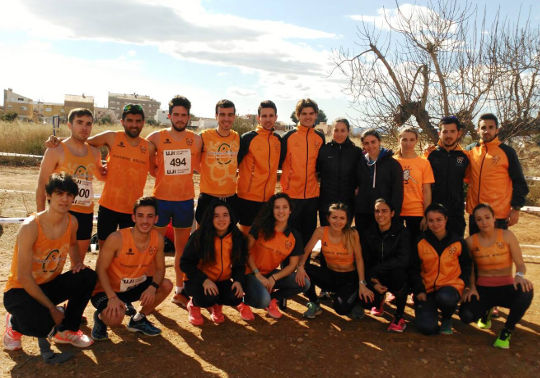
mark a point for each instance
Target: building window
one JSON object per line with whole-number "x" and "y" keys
{"x": 23, "y": 107}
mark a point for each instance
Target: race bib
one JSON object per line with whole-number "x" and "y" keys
{"x": 86, "y": 193}
{"x": 177, "y": 162}
{"x": 130, "y": 283}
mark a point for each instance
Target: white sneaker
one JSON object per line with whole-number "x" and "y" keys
{"x": 12, "y": 338}
{"x": 78, "y": 339}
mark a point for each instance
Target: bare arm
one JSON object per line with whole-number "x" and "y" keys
{"x": 317, "y": 235}
{"x": 159, "y": 263}
{"x": 105, "y": 138}
{"x": 426, "y": 188}
{"x": 50, "y": 160}
{"x": 74, "y": 256}
{"x": 363, "y": 291}
{"x": 100, "y": 171}
{"x": 196, "y": 157}
{"x": 112, "y": 245}
{"x": 154, "y": 141}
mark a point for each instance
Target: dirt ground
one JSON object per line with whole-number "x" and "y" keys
{"x": 330, "y": 345}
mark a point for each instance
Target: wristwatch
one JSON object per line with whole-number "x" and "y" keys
{"x": 154, "y": 285}
{"x": 520, "y": 274}
{"x": 363, "y": 282}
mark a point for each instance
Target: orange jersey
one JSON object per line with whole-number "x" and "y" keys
{"x": 48, "y": 256}
{"x": 82, "y": 169}
{"x": 268, "y": 254}
{"x": 127, "y": 169}
{"x": 416, "y": 172}
{"x": 495, "y": 177}
{"x": 175, "y": 160}
{"x": 441, "y": 270}
{"x": 299, "y": 151}
{"x": 335, "y": 254}
{"x": 219, "y": 163}
{"x": 259, "y": 161}
{"x": 221, "y": 268}
{"x": 496, "y": 256}
{"x": 129, "y": 266}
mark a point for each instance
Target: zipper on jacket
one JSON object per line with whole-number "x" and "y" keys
{"x": 269, "y": 168}
{"x": 480, "y": 173}
{"x": 221, "y": 242}
{"x": 307, "y": 160}
{"x": 438, "y": 271}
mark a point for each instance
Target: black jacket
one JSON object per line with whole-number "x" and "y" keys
{"x": 449, "y": 171}
{"x": 382, "y": 179}
{"x": 337, "y": 170}
{"x": 386, "y": 251}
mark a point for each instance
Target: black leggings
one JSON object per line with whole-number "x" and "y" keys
{"x": 517, "y": 301}
{"x": 426, "y": 315}
{"x": 396, "y": 282}
{"x": 225, "y": 294}
{"x": 343, "y": 284}
{"x": 33, "y": 319}
{"x": 304, "y": 217}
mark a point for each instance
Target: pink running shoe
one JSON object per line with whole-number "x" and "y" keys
{"x": 12, "y": 338}
{"x": 273, "y": 309}
{"x": 245, "y": 312}
{"x": 379, "y": 310}
{"x": 216, "y": 314}
{"x": 194, "y": 314}
{"x": 75, "y": 338}
{"x": 397, "y": 327}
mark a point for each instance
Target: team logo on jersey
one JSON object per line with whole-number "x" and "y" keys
{"x": 167, "y": 141}
{"x": 51, "y": 262}
{"x": 452, "y": 250}
{"x": 121, "y": 144}
{"x": 81, "y": 173}
{"x": 460, "y": 160}
{"x": 499, "y": 245}
{"x": 407, "y": 176}
{"x": 143, "y": 149}
{"x": 325, "y": 244}
{"x": 130, "y": 252}
{"x": 224, "y": 153}
{"x": 288, "y": 244}
{"x": 189, "y": 141}
{"x": 152, "y": 251}
{"x": 495, "y": 159}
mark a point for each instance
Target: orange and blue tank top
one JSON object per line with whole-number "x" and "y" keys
{"x": 82, "y": 169}
{"x": 127, "y": 170}
{"x": 335, "y": 253}
{"x": 129, "y": 266}
{"x": 496, "y": 256}
{"x": 175, "y": 160}
{"x": 48, "y": 256}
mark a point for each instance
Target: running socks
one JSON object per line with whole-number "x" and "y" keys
{"x": 138, "y": 316}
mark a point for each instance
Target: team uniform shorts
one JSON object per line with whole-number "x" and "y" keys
{"x": 100, "y": 300}
{"x": 86, "y": 222}
{"x": 180, "y": 212}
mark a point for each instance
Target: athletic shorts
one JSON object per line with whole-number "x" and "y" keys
{"x": 181, "y": 213}
{"x": 109, "y": 220}
{"x": 86, "y": 222}
{"x": 206, "y": 199}
{"x": 248, "y": 212}
{"x": 100, "y": 300}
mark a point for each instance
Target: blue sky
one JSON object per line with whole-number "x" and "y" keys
{"x": 246, "y": 51}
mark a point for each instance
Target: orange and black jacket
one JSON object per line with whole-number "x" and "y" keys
{"x": 299, "y": 151}
{"x": 223, "y": 267}
{"x": 439, "y": 263}
{"x": 449, "y": 168}
{"x": 258, "y": 161}
{"x": 495, "y": 177}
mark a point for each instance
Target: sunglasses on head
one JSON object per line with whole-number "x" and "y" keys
{"x": 130, "y": 107}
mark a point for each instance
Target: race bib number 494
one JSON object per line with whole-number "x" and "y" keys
{"x": 86, "y": 193}
{"x": 177, "y": 162}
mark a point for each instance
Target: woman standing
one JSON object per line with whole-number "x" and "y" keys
{"x": 377, "y": 176}
{"x": 494, "y": 251}
{"x": 337, "y": 170}
{"x": 417, "y": 180}
{"x": 214, "y": 262}
{"x": 343, "y": 273}
{"x": 271, "y": 241}
{"x": 441, "y": 270}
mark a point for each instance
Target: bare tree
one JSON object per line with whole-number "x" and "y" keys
{"x": 423, "y": 63}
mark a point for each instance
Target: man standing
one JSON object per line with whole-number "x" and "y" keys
{"x": 219, "y": 161}
{"x": 299, "y": 152}
{"x": 82, "y": 161}
{"x": 258, "y": 161}
{"x": 495, "y": 176}
{"x": 177, "y": 155}
{"x": 36, "y": 283}
{"x": 449, "y": 163}
{"x": 122, "y": 267}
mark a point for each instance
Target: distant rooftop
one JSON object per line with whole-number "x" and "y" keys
{"x": 77, "y": 98}
{"x": 131, "y": 96}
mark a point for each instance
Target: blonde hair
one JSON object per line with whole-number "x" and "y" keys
{"x": 407, "y": 129}
{"x": 348, "y": 232}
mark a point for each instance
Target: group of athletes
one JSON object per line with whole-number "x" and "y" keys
{"x": 253, "y": 247}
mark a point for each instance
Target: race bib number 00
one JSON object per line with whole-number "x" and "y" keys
{"x": 177, "y": 162}
{"x": 130, "y": 283}
{"x": 85, "y": 195}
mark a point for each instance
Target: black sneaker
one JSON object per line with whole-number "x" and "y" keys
{"x": 282, "y": 304}
{"x": 144, "y": 326}
{"x": 99, "y": 331}
{"x": 130, "y": 310}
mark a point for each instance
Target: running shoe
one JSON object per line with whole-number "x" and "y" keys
{"x": 144, "y": 326}
{"x": 130, "y": 310}
{"x": 273, "y": 309}
{"x": 495, "y": 312}
{"x": 357, "y": 312}
{"x": 12, "y": 338}
{"x": 180, "y": 299}
{"x": 282, "y": 304}
{"x": 194, "y": 314}
{"x": 390, "y": 298}
{"x": 75, "y": 338}
{"x": 398, "y": 326}
{"x": 99, "y": 331}
{"x": 245, "y": 312}
{"x": 485, "y": 321}
{"x": 216, "y": 314}
{"x": 313, "y": 309}
{"x": 325, "y": 295}
{"x": 503, "y": 341}
{"x": 446, "y": 327}
{"x": 379, "y": 310}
